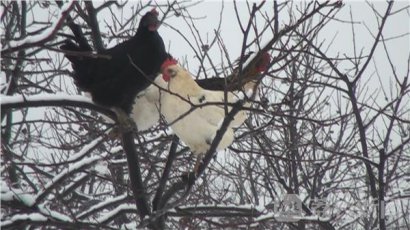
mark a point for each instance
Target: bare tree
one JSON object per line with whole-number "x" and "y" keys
{"x": 331, "y": 128}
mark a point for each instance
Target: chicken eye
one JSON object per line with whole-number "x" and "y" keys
{"x": 172, "y": 72}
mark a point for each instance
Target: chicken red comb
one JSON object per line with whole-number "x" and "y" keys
{"x": 154, "y": 11}
{"x": 168, "y": 62}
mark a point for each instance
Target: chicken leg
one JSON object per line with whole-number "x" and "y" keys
{"x": 198, "y": 161}
{"x": 126, "y": 124}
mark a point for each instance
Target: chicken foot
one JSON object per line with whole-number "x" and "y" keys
{"x": 190, "y": 177}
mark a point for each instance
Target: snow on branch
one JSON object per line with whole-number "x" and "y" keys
{"x": 13, "y": 194}
{"x": 36, "y": 217}
{"x": 85, "y": 150}
{"x": 72, "y": 168}
{"x": 18, "y": 99}
{"x": 217, "y": 210}
{"x": 43, "y": 37}
{"x": 102, "y": 205}
{"x": 46, "y": 99}
{"x": 32, "y": 201}
{"x": 107, "y": 217}
{"x": 279, "y": 217}
{"x": 20, "y": 198}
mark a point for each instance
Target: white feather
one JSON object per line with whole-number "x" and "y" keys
{"x": 187, "y": 109}
{"x": 145, "y": 111}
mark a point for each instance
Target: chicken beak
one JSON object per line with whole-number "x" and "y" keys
{"x": 154, "y": 26}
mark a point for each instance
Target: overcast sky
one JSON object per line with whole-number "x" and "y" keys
{"x": 364, "y": 17}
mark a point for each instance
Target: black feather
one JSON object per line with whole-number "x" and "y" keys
{"x": 221, "y": 84}
{"x": 115, "y": 81}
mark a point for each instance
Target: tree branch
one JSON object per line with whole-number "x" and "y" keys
{"x": 42, "y": 38}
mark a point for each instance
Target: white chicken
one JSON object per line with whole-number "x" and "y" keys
{"x": 195, "y": 114}
{"x": 146, "y": 108}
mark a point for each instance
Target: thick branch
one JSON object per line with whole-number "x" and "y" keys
{"x": 135, "y": 173}
{"x": 95, "y": 29}
{"x": 22, "y": 101}
{"x": 160, "y": 190}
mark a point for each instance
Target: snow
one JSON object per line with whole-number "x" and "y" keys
{"x": 281, "y": 216}
{"x": 101, "y": 168}
{"x": 293, "y": 218}
{"x": 21, "y": 217}
{"x": 10, "y": 194}
{"x": 116, "y": 149}
{"x": 3, "y": 82}
{"x": 16, "y": 194}
{"x": 78, "y": 178}
{"x": 86, "y": 149}
{"x": 159, "y": 134}
{"x": 120, "y": 161}
{"x": 47, "y": 33}
{"x": 236, "y": 207}
{"x": 42, "y": 216}
{"x": 70, "y": 169}
{"x": 129, "y": 226}
{"x": 115, "y": 211}
{"x": 5, "y": 100}
{"x": 102, "y": 204}
{"x": 54, "y": 214}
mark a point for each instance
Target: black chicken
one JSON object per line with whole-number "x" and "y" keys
{"x": 116, "y": 75}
